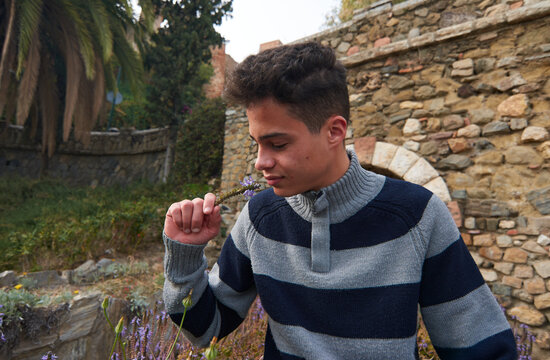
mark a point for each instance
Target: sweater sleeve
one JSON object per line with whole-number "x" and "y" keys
{"x": 462, "y": 316}
{"x": 221, "y": 298}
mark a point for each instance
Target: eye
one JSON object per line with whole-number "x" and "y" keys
{"x": 278, "y": 146}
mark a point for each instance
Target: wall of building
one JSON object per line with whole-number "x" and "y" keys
{"x": 110, "y": 157}
{"x": 454, "y": 95}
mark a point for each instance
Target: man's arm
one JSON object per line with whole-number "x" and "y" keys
{"x": 462, "y": 316}
{"x": 222, "y": 297}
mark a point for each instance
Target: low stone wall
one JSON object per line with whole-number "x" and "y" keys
{"x": 455, "y": 95}
{"x": 110, "y": 157}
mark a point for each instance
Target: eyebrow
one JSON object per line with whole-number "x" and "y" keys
{"x": 270, "y": 135}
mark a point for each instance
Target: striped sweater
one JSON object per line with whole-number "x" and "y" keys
{"x": 341, "y": 274}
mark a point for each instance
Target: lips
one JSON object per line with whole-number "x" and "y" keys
{"x": 273, "y": 180}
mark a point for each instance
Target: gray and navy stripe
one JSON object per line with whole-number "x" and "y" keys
{"x": 353, "y": 293}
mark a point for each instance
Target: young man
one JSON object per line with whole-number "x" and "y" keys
{"x": 340, "y": 257}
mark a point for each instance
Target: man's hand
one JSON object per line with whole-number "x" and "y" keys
{"x": 194, "y": 221}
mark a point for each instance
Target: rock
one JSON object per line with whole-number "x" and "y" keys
{"x": 518, "y": 123}
{"x": 487, "y": 208}
{"x": 543, "y": 268}
{"x": 505, "y": 268}
{"x": 510, "y": 82}
{"x": 396, "y": 82}
{"x": 453, "y": 122}
{"x": 470, "y": 222}
{"x": 424, "y": 92}
{"x": 411, "y": 145}
{"x": 466, "y": 91}
{"x": 7, "y": 278}
{"x": 491, "y": 253}
{"x": 510, "y": 61}
{"x": 523, "y": 271}
{"x": 412, "y": 127}
{"x": 499, "y": 289}
{"x": 522, "y": 155}
{"x": 534, "y": 133}
{"x": 483, "y": 240}
{"x": 402, "y": 161}
{"x": 533, "y": 247}
{"x": 496, "y": 128}
{"x": 544, "y": 148}
{"x": 357, "y": 99}
{"x": 514, "y": 106}
{"x": 383, "y": 96}
{"x": 400, "y": 115}
{"x": 543, "y": 240}
{"x": 47, "y": 278}
{"x": 481, "y": 116}
{"x": 489, "y": 275}
{"x": 455, "y": 17}
{"x": 535, "y": 286}
{"x": 527, "y": 315}
{"x": 506, "y": 224}
{"x": 462, "y": 72}
{"x": 463, "y": 64}
{"x": 343, "y": 47}
{"x": 411, "y": 105}
{"x": 504, "y": 241}
{"x": 458, "y": 145}
{"x": 515, "y": 255}
{"x": 428, "y": 148}
{"x": 512, "y": 281}
{"x": 523, "y": 295}
{"x": 414, "y": 32}
{"x": 484, "y": 65}
{"x": 382, "y": 42}
{"x": 454, "y": 162}
{"x": 540, "y": 199}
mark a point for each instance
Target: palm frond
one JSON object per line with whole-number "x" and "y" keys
{"x": 6, "y": 47}
{"x": 147, "y": 14}
{"x": 74, "y": 77}
{"x": 129, "y": 60}
{"x": 83, "y": 35}
{"x": 27, "y": 86}
{"x": 30, "y": 12}
{"x": 102, "y": 27}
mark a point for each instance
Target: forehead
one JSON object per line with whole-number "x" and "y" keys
{"x": 270, "y": 117}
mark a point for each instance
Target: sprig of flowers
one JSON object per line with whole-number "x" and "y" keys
{"x": 249, "y": 187}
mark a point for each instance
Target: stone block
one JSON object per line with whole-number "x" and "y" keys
{"x": 510, "y": 82}
{"x": 512, "y": 281}
{"x": 504, "y": 241}
{"x": 483, "y": 240}
{"x": 383, "y": 154}
{"x": 487, "y": 207}
{"x": 527, "y": 315}
{"x": 421, "y": 172}
{"x": 84, "y": 311}
{"x": 462, "y": 72}
{"x": 492, "y": 224}
{"x": 518, "y": 123}
{"x": 481, "y": 116}
{"x": 533, "y": 247}
{"x": 523, "y": 271}
{"x": 496, "y": 128}
{"x": 543, "y": 240}
{"x": 535, "y": 286}
{"x": 470, "y": 223}
{"x": 439, "y": 188}
{"x": 540, "y": 199}
{"x": 489, "y": 275}
{"x": 396, "y": 82}
{"x": 514, "y": 106}
{"x": 7, "y": 278}
{"x": 454, "y": 162}
{"x": 411, "y": 105}
{"x": 515, "y": 255}
{"x": 506, "y": 224}
{"x": 467, "y": 238}
{"x": 543, "y": 268}
{"x": 534, "y": 133}
{"x": 411, "y": 145}
{"x": 458, "y": 145}
{"x": 492, "y": 253}
{"x": 469, "y": 131}
{"x": 522, "y": 295}
{"x": 412, "y": 127}
{"x": 522, "y": 155}
{"x": 505, "y": 268}
{"x": 542, "y": 301}
{"x": 544, "y": 149}
{"x": 463, "y": 64}
{"x": 364, "y": 148}
{"x": 402, "y": 161}
{"x": 454, "y": 209}
{"x": 477, "y": 259}
{"x": 500, "y": 289}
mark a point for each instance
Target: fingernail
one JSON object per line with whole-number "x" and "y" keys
{"x": 196, "y": 230}
{"x": 207, "y": 209}
{"x": 187, "y": 231}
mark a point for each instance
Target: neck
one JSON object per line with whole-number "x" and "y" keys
{"x": 336, "y": 168}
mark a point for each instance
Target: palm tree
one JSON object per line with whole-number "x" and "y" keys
{"x": 59, "y": 57}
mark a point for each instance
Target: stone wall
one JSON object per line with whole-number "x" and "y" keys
{"x": 455, "y": 95}
{"x": 109, "y": 158}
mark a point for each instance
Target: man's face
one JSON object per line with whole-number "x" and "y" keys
{"x": 291, "y": 158}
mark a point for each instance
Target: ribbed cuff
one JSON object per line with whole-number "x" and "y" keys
{"x": 181, "y": 260}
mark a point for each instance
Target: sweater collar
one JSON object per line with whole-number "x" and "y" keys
{"x": 345, "y": 197}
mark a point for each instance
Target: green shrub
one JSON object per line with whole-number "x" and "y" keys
{"x": 199, "y": 148}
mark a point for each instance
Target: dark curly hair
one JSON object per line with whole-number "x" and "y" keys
{"x": 306, "y": 77}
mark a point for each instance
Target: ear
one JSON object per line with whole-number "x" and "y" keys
{"x": 336, "y": 128}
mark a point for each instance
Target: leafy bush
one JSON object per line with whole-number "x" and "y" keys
{"x": 199, "y": 148}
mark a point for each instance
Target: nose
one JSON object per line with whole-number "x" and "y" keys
{"x": 264, "y": 160}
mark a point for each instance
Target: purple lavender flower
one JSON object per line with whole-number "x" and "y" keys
{"x": 247, "y": 181}
{"x": 49, "y": 356}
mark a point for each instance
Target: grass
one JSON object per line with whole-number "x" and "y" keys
{"x": 46, "y": 224}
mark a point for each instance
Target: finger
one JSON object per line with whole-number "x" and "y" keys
{"x": 174, "y": 212}
{"x": 198, "y": 215}
{"x": 186, "y": 215}
{"x": 209, "y": 201}
{"x": 214, "y": 220}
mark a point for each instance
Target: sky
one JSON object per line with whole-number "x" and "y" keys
{"x": 254, "y": 22}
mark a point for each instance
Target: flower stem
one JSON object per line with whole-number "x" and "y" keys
{"x": 236, "y": 191}
{"x": 177, "y": 335}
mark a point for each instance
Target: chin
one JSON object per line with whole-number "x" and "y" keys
{"x": 285, "y": 192}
